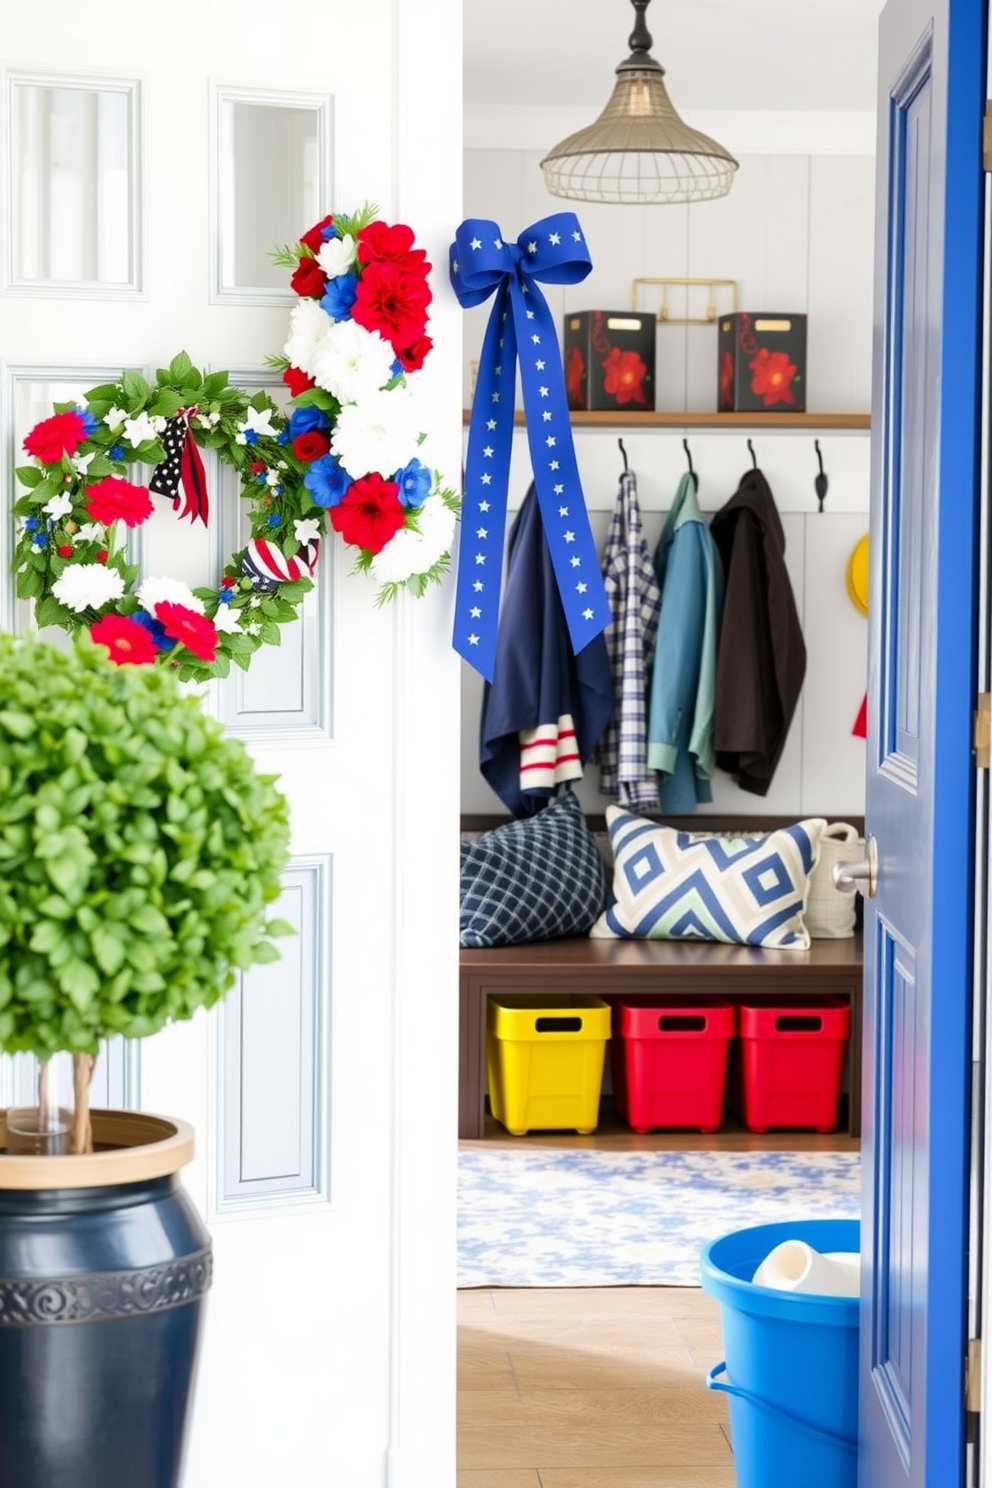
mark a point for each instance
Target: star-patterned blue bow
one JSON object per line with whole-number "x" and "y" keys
{"x": 554, "y": 250}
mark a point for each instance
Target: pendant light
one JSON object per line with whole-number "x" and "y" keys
{"x": 639, "y": 150}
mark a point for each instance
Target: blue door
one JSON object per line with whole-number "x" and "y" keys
{"x": 920, "y": 790}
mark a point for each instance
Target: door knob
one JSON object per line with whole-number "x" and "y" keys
{"x": 862, "y": 876}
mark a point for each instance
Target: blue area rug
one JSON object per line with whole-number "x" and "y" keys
{"x": 533, "y": 1216}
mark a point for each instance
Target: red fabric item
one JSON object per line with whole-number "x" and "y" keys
{"x": 860, "y": 729}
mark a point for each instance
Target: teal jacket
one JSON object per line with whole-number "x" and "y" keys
{"x": 683, "y": 681}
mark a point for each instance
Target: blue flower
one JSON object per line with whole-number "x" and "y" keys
{"x": 396, "y": 368}
{"x": 302, "y": 420}
{"x": 283, "y": 438}
{"x": 415, "y": 482}
{"x": 274, "y": 519}
{"x": 155, "y": 629}
{"x": 251, "y": 436}
{"x": 261, "y": 476}
{"x": 339, "y": 296}
{"x": 326, "y": 481}
{"x": 225, "y": 595}
{"x": 31, "y": 524}
{"x": 40, "y": 539}
{"x": 89, "y": 422}
{"x": 117, "y": 452}
{"x": 329, "y": 231}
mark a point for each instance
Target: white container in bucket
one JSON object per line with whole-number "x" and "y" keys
{"x": 794, "y": 1266}
{"x": 791, "y": 1361}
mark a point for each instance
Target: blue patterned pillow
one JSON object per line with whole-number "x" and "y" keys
{"x": 672, "y": 885}
{"x": 533, "y": 879}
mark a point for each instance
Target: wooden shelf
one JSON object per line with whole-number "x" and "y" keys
{"x": 608, "y": 419}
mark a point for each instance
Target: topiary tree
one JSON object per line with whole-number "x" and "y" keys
{"x": 140, "y": 850}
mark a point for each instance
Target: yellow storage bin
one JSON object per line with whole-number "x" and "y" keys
{"x": 544, "y": 1060}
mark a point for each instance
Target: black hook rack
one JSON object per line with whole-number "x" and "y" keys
{"x": 754, "y": 458}
{"x": 821, "y": 482}
{"x": 688, "y": 455}
{"x": 624, "y": 453}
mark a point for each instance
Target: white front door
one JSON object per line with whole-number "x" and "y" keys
{"x": 153, "y": 158}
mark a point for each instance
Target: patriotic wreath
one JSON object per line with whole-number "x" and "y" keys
{"x": 348, "y": 447}
{"x": 356, "y": 335}
{"x": 71, "y": 556}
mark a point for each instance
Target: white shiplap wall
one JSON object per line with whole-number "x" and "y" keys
{"x": 797, "y": 233}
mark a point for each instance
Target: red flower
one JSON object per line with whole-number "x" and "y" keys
{"x": 116, "y": 500}
{"x": 309, "y": 279}
{"x": 623, "y": 373}
{"x": 727, "y": 380}
{"x": 125, "y": 639}
{"x": 227, "y": 582}
{"x": 412, "y": 358}
{"x": 314, "y": 239}
{"x": 392, "y": 302}
{"x": 256, "y": 467}
{"x": 195, "y": 632}
{"x": 298, "y": 382}
{"x": 65, "y": 550}
{"x": 311, "y": 445}
{"x": 380, "y": 243}
{"x": 102, "y": 555}
{"x": 369, "y": 513}
{"x": 574, "y": 374}
{"x": 773, "y": 372}
{"x": 62, "y": 434}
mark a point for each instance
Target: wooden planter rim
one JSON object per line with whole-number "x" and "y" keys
{"x": 135, "y": 1147}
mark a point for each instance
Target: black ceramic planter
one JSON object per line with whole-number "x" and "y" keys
{"x": 102, "y": 1288}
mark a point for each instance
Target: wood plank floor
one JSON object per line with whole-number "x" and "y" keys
{"x": 599, "y": 1387}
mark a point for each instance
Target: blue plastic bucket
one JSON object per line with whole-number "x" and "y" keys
{"x": 791, "y": 1362}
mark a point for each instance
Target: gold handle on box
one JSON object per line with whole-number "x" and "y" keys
{"x": 665, "y": 317}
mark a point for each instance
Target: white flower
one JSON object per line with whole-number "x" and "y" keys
{"x": 272, "y": 479}
{"x": 83, "y": 463}
{"x": 380, "y": 434}
{"x": 336, "y": 256}
{"x": 409, "y": 552}
{"x": 226, "y": 619}
{"x": 308, "y": 323}
{"x": 159, "y": 423}
{"x": 138, "y": 430}
{"x": 87, "y": 586}
{"x": 258, "y": 421}
{"x": 59, "y": 506}
{"x": 91, "y": 532}
{"x": 114, "y": 419}
{"x": 170, "y": 591}
{"x": 306, "y": 529}
{"x": 208, "y": 420}
{"x": 351, "y": 362}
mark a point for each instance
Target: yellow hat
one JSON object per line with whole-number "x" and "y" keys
{"x": 857, "y": 575}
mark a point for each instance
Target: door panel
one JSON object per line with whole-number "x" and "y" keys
{"x": 918, "y": 930}
{"x": 319, "y": 1366}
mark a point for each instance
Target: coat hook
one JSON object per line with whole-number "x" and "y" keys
{"x": 624, "y": 453}
{"x": 821, "y": 482}
{"x": 754, "y": 458}
{"x": 688, "y": 455}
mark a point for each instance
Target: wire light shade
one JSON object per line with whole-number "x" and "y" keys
{"x": 639, "y": 150}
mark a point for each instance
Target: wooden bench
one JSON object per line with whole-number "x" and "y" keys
{"x": 607, "y": 968}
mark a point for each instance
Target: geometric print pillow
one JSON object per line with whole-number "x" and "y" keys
{"x": 672, "y": 885}
{"x": 533, "y": 879}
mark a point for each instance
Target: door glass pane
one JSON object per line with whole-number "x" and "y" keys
{"x": 270, "y": 183}
{"x": 73, "y": 190}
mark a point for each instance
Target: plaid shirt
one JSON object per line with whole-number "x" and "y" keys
{"x": 635, "y": 601}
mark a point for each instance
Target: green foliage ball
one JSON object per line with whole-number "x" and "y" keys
{"x": 139, "y": 850}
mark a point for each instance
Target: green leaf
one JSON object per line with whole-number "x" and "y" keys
{"x": 280, "y": 927}
{"x": 270, "y": 633}
{"x": 108, "y": 950}
{"x": 46, "y": 937}
{"x": 179, "y": 366}
{"x": 49, "y": 612}
{"x": 136, "y": 389}
{"x": 21, "y": 725}
{"x": 80, "y": 982}
{"x": 68, "y": 873}
{"x": 264, "y": 953}
{"x": 28, "y": 475}
{"x": 149, "y": 920}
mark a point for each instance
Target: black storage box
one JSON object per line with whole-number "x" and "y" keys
{"x": 609, "y": 360}
{"x": 762, "y": 363}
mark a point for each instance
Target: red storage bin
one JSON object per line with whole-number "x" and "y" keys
{"x": 669, "y": 1061}
{"x": 789, "y": 1062}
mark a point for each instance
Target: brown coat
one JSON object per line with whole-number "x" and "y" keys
{"x": 761, "y": 655}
